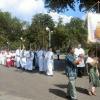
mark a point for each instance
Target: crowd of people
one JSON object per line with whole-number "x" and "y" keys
{"x": 76, "y": 62}
{"x": 7, "y": 58}
{"x": 29, "y": 60}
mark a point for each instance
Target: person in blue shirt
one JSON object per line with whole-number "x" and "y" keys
{"x": 71, "y": 72}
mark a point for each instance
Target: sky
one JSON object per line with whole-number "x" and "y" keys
{"x": 26, "y": 9}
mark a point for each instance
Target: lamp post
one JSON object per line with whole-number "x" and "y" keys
{"x": 48, "y": 29}
{"x": 8, "y": 45}
{"x": 22, "y": 42}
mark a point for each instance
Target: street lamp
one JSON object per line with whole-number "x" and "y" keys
{"x": 48, "y": 29}
{"x": 8, "y": 45}
{"x": 22, "y": 41}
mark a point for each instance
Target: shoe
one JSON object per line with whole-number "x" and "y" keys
{"x": 50, "y": 75}
{"x": 67, "y": 96}
{"x": 74, "y": 99}
{"x": 90, "y": 93}
{"x": 93, "y": 93}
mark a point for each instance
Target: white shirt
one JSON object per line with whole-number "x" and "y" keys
{"x": 79, "y": 51}
{"x": 49, "y": 55}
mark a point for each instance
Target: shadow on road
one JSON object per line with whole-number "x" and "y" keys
{"x": 82, "y": 90}
{"x": 61, "y": 85}
{"x": 31, "y": 72}
{"x": 58, "y": 92}
{"x": 79, "y": 89}
{"x": 17, "y": 70}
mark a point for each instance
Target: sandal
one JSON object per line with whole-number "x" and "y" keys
{"x": 93, "y": 93}
{"x": 90, "y": 93}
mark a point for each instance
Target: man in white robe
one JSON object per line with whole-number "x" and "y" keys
{"x": 36, "y": 59}
{"x": 40, "y": 58}
{"x": 23, "y": 59}
{"x": 17, "y": 57}
{"x": 29, "y": 60}
{"x": 3, "y": 57}
{"x": 44, "y": 61}
{"x": 50, "y": 62}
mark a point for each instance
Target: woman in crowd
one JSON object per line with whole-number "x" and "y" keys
{"x": 93, "y": 73}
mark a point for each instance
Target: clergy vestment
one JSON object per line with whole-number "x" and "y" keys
{"x": 17, "y": 58}
{"x": 49, "y": 57}
{"x": 29, "y": 60}
{"x": 40, "y": 58}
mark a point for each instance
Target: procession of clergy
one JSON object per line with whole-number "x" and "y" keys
{"x": 29, "y": 60}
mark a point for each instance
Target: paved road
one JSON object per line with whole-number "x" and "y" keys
{"x": 18, "y": 85}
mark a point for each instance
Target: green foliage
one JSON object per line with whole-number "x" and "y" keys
{"x": 10, "y": 29}
{"x": 86, "y": 5}
{"x": 38, "y": 33}
{"x": 60, "y": 5}
{"x": 2, "y": 41}
{"x": 72, "y": 33}
{"x": 64, "y": 5}
{"x": 77, "y": 31}
{"x": 59, "y": 35}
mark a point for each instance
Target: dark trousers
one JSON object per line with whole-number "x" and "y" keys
{"x": 80, "y": 71}
{"x": 57, "y": 57}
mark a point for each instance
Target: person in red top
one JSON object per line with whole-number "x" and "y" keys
{"x": 8, "y": 59}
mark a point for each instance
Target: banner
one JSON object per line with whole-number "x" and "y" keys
{"x": 93, "y": 20}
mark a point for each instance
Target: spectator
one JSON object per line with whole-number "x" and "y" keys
{"x": 93, "y": 73}
{"x": 80, "y": 53}
{"x": 71, "y": 72}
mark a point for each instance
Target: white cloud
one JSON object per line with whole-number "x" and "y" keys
{"x": 56, "y": 17}
{"x": 7, "y": 3}
{"x": 34, "y": 6}
{"x": 25, "y": 9}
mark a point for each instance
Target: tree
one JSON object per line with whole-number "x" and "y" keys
{"x": 10, "y": 29}
{"x": 59, "y": 35}
{"x": 64, "y": 5}
{"x": 70, "y": 33}
{"x": 76, "y": 32}
{"x": 38, "y": 34}
{"x": 60, "y": 5}
{"x": 15, "y": 29}
{"x": 87, "y": 5}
